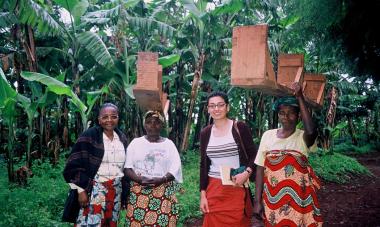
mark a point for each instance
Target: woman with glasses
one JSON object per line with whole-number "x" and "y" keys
{"x": 95, "y": 170}
{"x": 285, "y": 182}
{"x": 225, "y": 143}
{"x": 154, "y": 167}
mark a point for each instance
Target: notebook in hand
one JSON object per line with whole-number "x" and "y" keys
{"x": 225, "y": 175}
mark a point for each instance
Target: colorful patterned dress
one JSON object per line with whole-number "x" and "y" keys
{"x": 155, "y": 206}
{"x": 290, "y": 185}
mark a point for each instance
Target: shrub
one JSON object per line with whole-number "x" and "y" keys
{"x": 336, "y": 167}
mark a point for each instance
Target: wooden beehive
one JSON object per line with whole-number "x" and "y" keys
{"x": 290, "y": 69}
{"x": 147, "y": 71}
{"x": 148, "y": 89}
{"x": 251, "y": 65}
{"x": 313, "y": 89}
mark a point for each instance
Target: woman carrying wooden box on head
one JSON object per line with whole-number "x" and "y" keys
{"x": 285, "y": 182}
{"x": 225, "y": 143}
{"x": 154, "y": 166}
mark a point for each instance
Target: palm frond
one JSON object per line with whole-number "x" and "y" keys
{"x": 34, "y": 15}
{"x": 102, "y": 16}
{"x": 149, "y": 25}
{"x": 55, "y": 86}
{"x": 96, "y": 47}
{"x": 7, "y": 19}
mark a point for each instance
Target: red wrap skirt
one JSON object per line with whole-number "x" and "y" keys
{"x": 226, "y": 204}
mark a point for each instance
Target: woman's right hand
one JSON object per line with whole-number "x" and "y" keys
{"x": 204, "y": 203}
{"x": 83, "y": 199}
{"x": 145, "y": 181}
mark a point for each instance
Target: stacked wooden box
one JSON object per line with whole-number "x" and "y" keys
{"x": 251, "y": 67}
{"x": 290, "y": 70}
{"x": 148, "y": 89}
{"x": 313, "y": 89}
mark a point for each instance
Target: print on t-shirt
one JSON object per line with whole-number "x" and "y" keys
{"x": 149, "y": 165}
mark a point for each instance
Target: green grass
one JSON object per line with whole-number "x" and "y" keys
{"x": 39, "y": 204}
{"x": 189, "y": 198}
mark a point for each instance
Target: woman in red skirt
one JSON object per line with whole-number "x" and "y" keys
{"x": 285, "y": 183}
{"x": 225, "y": 143}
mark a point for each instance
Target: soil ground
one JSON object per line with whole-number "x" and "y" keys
{"x": 356, "y": 203}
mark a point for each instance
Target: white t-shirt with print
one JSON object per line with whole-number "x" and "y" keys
{"x": 154, "y": 159}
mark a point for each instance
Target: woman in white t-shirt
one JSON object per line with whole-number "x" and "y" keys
{"x": 285, "y": 183}
{"x": 154, "y": 166}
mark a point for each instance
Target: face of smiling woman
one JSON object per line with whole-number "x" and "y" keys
{"x": 108, "y": 118}
{"x": 217, "y": 108}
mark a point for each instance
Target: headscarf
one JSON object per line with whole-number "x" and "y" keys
{"x": 154, "y": 113}
{"x": 286, "y": 101}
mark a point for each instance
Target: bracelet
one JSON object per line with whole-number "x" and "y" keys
{"x": 248, "y": 171}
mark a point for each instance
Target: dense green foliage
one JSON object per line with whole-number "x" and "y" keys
{"x": 54, "y": 75}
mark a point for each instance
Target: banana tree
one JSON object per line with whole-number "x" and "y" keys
{"x": 54, "y": 86}
{"x": 7, "y": 112}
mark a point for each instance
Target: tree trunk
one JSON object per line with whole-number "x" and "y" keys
{"x": 178, "y": 119}
{"x": 10, "y": 144}
{"x": 201, "y": 115}
{"x": 330, "y": 118}
{"x": 194, "y": 92}
{"x": 64, "y": 126}
{"x": 351, "y": 129}
{"x": 29, "y": 46}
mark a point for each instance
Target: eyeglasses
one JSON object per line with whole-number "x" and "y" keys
{"x": 112, "y": 117}
{"x": 219, "y": 105}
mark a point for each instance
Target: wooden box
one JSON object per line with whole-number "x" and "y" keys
{"x": 290, "y": 69}
{"x": 148, "y": 89}
{"x": 313, "y": 89}
{"x": 147, "y": 71}
{"x": 148, "y": 99}
{"x": 251, "y": 65}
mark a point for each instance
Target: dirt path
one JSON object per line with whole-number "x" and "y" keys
{"x": 355, "y": 204}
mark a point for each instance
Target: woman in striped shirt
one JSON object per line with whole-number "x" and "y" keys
{"x": 225, "y": 143}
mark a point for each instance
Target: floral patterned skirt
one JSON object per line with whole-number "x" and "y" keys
{"x": 104, "y": 206}
{"x": 152, "y": 206}
{"x": 289, "y": 191}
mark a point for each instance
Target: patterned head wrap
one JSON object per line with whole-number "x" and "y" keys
{"x": 154, "y": 113}
{"x": 286, "y": 101}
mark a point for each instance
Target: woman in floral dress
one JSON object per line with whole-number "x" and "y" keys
{"x": 95, "y": 170}
{"x": 154, "y": 166}
{"x": 285, "y": 183}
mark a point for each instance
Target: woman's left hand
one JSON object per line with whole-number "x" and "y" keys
{"x": 152, "y": 182}
{"x": 241, "y": 178}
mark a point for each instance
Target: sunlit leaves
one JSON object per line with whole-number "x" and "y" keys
{"x": 76, "y": 7}
{"x": 34, "y": 15}
{"x": 55, "y": 86}
{"x": 96, "y": 47}
{"x": 168, "y": 60}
